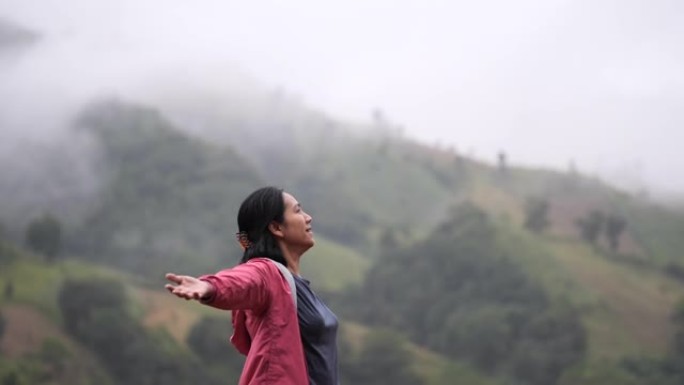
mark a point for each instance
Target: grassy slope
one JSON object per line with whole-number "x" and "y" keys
{"x": 657, "y": 229}
{"x": 33, "y": 314}
{"x": 27, "y": 334}
{"x": 33, "y": 317}
{"x": 433, "y": 367}
{"x": 626, "y": 308}
{"x": 630, "y": 309}
{"x": 37, "y": 283}
{"x": 332, "y": 267}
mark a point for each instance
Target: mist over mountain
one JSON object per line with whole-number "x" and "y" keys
{"x": 550, "y": 83}
{"x": 49, "y": 164}
{"x": 12, "y": 36}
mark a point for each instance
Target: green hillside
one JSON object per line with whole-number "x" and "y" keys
{"x": 333, "y": 267}
{"x": 168, "y": 200}
{"x": 614, "y": 299}
{"x": 34, "y": 348}
{"x": 450, "y": 269}
{"x": 36, "y": 328}
{"x": 632, "y": 279}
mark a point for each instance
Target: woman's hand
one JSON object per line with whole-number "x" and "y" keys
{"x": 189, "y": 287}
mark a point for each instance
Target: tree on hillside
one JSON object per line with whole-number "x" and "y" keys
{"x": 383, "y": 360}
{"x": 459, "y": 163}
{"x": 168, "y": 194}
{"x": 207, "y": 340}
{"x": 590, "y": 226}
{"x": 503, "y": 162}
{"x": 463, "y": 294}
{"x": 96, "y": 313}
{"x": 44, "y": 236}
{"x": 9, "y": 290}
{"x": 2, "y": 325}
{"x": 388, "y": 239}
{"x": 378, "y": 117}
{"x": 79, "y": 300}
{"x": 678, "y": 320}
{"x": 536, "y": 214}
{"x": 615, "y": 225}
{"x": 551, "y": 343}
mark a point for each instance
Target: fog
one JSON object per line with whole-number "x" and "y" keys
{"x": 594, "y": 83}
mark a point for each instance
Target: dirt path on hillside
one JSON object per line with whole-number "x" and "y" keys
{"x": 25, "y": 331}
{"x": 166, "y": 311}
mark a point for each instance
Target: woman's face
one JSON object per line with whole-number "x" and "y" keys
{"x": 296, "y": 224}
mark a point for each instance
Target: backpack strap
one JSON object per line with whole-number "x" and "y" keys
{"x": 290, "y": 280}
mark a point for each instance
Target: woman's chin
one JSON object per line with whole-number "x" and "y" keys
{"x": 311, "y": 243}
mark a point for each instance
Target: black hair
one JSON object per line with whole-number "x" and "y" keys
{"x": 257, "y": 211}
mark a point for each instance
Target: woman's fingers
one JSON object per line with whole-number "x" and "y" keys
{"x": 178, "y": 292}
{"x": 177, "y": 279}
{"x": 185, "y": 286}
{"x": 182, "y": 292}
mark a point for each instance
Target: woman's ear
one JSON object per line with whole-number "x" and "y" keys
{"x": 276, "y": 229}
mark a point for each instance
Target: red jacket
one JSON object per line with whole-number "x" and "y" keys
{"x": 265, "y": 323}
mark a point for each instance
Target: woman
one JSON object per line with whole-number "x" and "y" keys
{"x": 285, "y": 342}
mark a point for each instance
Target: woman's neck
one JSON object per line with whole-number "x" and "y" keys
{"x": 292, "y": 258}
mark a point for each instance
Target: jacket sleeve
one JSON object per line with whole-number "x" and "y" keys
{"x": 243, "y": 287}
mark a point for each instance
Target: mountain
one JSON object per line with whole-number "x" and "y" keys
{"x": 327, "y": 163}
{"x": 165, "y": 197}
{"x": 480, "y": 273}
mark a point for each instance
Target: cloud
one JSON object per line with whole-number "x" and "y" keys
{"x": 547, "y": 81}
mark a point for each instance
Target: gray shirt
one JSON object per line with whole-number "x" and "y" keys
{"x": 318, "y": 327}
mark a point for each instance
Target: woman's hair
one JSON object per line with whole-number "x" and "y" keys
{"x": 257, "y": 211}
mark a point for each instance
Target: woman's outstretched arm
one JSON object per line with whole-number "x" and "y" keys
{"x": 189, "y": 287}
{"x": 241, "y": 287}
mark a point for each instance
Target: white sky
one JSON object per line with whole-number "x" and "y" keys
{"x": 599, "y": 82}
